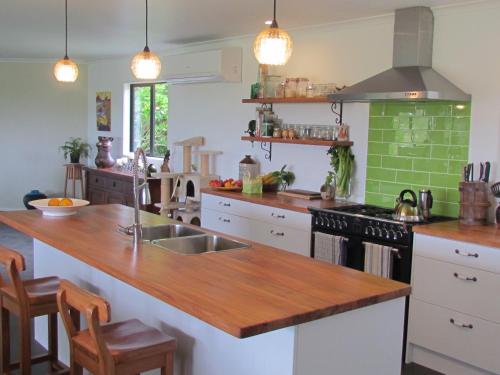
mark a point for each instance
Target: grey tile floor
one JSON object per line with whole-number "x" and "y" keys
{"x": 24, "y": 244}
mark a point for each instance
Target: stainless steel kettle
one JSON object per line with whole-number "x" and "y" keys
{"x": 425, "y": 201}
{"x": 407, "y": 209}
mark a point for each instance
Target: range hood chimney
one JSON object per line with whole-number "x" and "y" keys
{"x": 411, "y": 77}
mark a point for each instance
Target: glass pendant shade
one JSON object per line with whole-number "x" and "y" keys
{"x": 65, "y": 70}
{"x": 146, "y": 65}
{"x": 273, "y": 46}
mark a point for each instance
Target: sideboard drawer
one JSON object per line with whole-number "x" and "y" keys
{"x": 462, "y": 253}
{"x": 97, "y": 181}
{"x": 115, "y": 185}
{"x": 463, "y": 337}
{"x": 463, "y": 289}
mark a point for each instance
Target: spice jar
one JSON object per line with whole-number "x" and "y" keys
{"x": 277, "y": 133}
{"x": 291, "y": 133}
{"x": 284, "y": 133}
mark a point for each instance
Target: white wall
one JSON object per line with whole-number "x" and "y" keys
{"x": 37, "y": 115}
{"x": 343, "y": 53}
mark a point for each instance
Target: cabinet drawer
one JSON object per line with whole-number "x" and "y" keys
{"x": 278, "y": 216}
{"x": 97, "y": 181}
{"x": 271, "y": 215}
{"x": 462, "y": 253}
{"x": 225, "y": 223}
{"x": 460, "y": 288}
{"x": 116, "y": 185}
{"x": 293, "y": 240}
{"x": 226, "y": 205}
{"x": 440, "y": 330}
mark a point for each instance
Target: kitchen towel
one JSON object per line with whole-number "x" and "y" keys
{"x": 329, "y": 248}
{"x": 378, "y": 259}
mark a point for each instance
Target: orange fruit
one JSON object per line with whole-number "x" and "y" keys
{"x": 54, "y": 202}
{"x": 66, "y": 202}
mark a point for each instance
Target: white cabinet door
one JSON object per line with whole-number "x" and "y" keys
{"x": 463, "y": 289}
{"x": 463, "y": 337}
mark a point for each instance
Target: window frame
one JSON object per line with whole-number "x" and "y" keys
{"x": 152, "y": 116}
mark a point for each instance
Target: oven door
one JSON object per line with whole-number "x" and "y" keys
{"x": 401, "y": 265}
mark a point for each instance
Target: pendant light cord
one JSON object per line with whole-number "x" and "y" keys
{"x": 146, "y": 23}
{"x": 66, "y": 20}
{"x": 274, "y": 24}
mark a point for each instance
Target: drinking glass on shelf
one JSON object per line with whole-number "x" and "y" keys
{"x": 316, "y": 132}
{"x": 307, "y": 132}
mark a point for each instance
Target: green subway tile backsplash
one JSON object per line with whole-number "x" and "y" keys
{"x": 417, "y": 145}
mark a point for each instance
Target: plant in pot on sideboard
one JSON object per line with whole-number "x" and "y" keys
{"x": 75, "y": 148}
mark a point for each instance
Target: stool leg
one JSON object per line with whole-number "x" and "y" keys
{"x": 5, "y": 340}
{"x": 168, "y": 369}
{"x": 74, "y": 187}
{"x": 25, "y": 357}
{"x": 52, "y": 328}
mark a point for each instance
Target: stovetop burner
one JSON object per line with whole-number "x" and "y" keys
{"x": 377, "y": 212}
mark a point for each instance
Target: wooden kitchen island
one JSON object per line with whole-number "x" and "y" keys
{"x": 249, "y": 311}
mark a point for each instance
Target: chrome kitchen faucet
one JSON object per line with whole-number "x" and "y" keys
{"x": 142, "y": 196}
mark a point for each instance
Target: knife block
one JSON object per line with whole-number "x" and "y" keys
{"x": 474, "y": 203}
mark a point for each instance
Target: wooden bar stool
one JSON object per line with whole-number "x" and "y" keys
{"x": 123, "y": 348}
{"x": 27, "y": 299}
{"x": 74, "y": 173}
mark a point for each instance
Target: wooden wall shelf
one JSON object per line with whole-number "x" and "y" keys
{"x": 319, "y": 99}
{"x": 310, "y": 142}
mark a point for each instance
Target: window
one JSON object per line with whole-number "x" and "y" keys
{"x": 149, "y": 118}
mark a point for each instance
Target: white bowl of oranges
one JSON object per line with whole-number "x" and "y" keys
{"x": 59, "y": 206}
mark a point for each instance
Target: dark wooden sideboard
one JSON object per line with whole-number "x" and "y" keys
{"x": 108, "y": 186}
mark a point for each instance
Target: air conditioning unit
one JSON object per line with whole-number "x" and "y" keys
{"x": 222, "y": 65}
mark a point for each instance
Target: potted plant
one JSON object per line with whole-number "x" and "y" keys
{"x": 75, "y": 148}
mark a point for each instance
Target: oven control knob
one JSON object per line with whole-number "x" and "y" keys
{"x": 385, "y": 233}
{"x": 344, "y": 224}
{"x": 369, "y": 230}
{"x": 339, "y": 224}
{"x": 392, "y": 234}
{"x": 326, "y": 222}
{"x": 379, "y": 232}
{"x": 399, "y": 234}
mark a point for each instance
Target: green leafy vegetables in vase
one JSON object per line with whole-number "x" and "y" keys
{"x": 342, "y": 163}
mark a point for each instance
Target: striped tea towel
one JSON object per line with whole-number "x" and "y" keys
{"x": 378, "y": 259}
{"x": 329, "y": 248}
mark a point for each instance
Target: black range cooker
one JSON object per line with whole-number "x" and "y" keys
{"x": 361, "y": 223}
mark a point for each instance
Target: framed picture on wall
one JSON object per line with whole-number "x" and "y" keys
{"x": 103, "y": 110}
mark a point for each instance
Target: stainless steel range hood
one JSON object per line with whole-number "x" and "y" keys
{"x": 412, "y": 76}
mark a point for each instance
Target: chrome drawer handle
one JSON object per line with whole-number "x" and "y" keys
{"x": 224, "y": 204}
{"x": 465, "y": 278}
{"x": 461, "y": 325}
{"x": 277, "y": 216}
{"x": 224, "y": 220}
{"x": 279, "y": 234}
{"x": 466, "y": 254}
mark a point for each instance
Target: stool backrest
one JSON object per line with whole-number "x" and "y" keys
{"x": 95, "y": 309}
{"x": 14, "y": 264}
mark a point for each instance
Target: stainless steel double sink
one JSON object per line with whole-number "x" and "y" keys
{"x": 187, "y": 241}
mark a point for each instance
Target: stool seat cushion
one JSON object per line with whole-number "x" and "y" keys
{"x": 126, "y": 340}
{"x": 39, "y": 291}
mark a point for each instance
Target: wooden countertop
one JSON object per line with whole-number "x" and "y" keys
{"x": 278, "y": 201}
{"x": 487, "y": 235}
{"x": 242, "y": 292}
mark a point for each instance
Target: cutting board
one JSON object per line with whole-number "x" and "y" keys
{"x": 301, "y": 194}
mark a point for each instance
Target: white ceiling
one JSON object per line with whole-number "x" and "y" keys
{"x": 98, "y": 29}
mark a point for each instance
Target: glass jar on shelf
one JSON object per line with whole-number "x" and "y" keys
{"x": 310, "y": 91}
{"x": 316, "y": 132}
{"x": 302, "y": 84}
{"x": 271, "y": 84}
{"x": 291, "y": 88}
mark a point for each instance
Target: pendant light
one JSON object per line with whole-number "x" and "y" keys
{"x": 273, "y": 46}
{"x": 145, "y": 64}
{"x": 66, "y": 70}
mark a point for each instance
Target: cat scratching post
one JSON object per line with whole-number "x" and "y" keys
{"x": 205, "y": 161}
{"x": 187, "y": 151}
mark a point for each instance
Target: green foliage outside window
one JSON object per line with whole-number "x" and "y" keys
{"x": 141, "y": 116}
